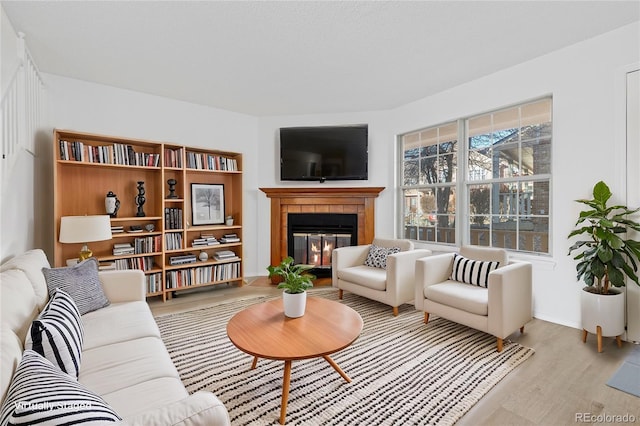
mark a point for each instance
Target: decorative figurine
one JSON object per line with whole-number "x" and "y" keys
{"x": 111, "y": 204}
{"x": 172, "y": 188}
{"x": 140, "y": 200}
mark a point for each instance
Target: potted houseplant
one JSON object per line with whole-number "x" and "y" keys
{"x": 296, "y": 280}
{"x": 605, "y": 258}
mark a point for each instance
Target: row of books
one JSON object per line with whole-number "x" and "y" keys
{"x": 154, "y": 282}
{"x": 229, "y": 238}
{"x": 204, "y": 242}
{"x": 116, "y": 153}
{"x": 225, "y": 255}
{"x": 202, "y": 161}
{"x": 141, "y": 245}
{"x": 117, "y": 229}
{"x": 123, "y": 248}
{"x": 173, "y": 157}
{"x": 182, "y": 259}
{"x": 172, "y": 218}
{"x": 144, "y": 263}
{"x": 202, "y": 275}
{"x": 173, "y": 240}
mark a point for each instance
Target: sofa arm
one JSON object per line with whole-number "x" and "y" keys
{"x": 510, "y": 298}
{"x": 124, "y": 286}
{"x": 429, "y": 271}
{"x": 199, "y": 409}
{"x": 401, "y": 269}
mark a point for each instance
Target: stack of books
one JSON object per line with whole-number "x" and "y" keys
{"x": 230, "y": 238}
{"x": 225, "y": 255}
{"x": 182, "y": 259}
{"x": 204, "y": 242}
{"x": 117, "y": 229}
{"x": 122, "y": 249}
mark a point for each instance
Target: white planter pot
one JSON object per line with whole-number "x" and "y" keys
{"x": 294, "y": 304}
{"x": 606, "y": 311}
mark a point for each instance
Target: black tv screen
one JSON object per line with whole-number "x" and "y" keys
{"x": 324, "y": 153}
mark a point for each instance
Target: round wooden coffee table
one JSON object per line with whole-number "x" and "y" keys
{"x": 263, "y": 331}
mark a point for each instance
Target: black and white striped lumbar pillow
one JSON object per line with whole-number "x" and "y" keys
{"x": 81, "y": 281}
{"x": 41, "y": 394}
{"x": 57, "y": 333}
{"x": 470, "y": 271}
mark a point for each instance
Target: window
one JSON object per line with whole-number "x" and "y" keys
{"x": 430, "y": 169}
{"x": 503, "y": 181}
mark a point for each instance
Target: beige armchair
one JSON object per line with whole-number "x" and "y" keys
{"x": 500, "y": 309}
{"x": 392, "y": 286}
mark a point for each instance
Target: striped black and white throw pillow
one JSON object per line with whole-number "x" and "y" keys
{"x": 470, "y": 271}
{"x": 41, "y": 394}
{"x": 81, "y": 281}
{"x": 57, "y": 334}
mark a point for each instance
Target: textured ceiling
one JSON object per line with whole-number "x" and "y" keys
{"x": 299, "y": 57}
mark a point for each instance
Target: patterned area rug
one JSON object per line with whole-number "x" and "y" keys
{"x": 403, "y": 372}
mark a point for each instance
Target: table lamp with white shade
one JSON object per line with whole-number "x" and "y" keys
{"x": 84, "y": 229}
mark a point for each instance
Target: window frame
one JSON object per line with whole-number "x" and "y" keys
{"x": 463, "y": 184}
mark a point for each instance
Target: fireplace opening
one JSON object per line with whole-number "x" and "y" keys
{"x": 311, "y": 238}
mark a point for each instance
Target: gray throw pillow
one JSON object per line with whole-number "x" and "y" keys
{"x": 81, "y": 282}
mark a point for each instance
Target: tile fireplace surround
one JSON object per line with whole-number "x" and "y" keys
{"x": 358, "y": 200}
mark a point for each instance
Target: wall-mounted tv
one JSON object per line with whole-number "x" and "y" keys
{"x": 324, "y": 153}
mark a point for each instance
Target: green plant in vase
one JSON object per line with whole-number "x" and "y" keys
{"x": 295, "y": 277}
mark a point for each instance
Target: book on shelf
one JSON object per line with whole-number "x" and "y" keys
{"x": 182, "y": 259}
{"x": 122, "y": 245}
{"x": 107, "y": 266}
{"x": 122, "y": 252}
{"x": 225, "y": 255}
{"x": 117, "y": 229}
{"x": 173, "y": 218}
{"x": 226, "y": 240}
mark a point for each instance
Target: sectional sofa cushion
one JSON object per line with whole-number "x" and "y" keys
{"x": 57, "y": 334}
{"x": 41, "y": 394}
{"x": 377, "y": 256}
{"x": 31, "y": 263}
{"x": 470, "y": 271}
{"x": 81, "y": 282}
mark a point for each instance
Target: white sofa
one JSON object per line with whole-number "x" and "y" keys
{"x": 392, "y": 286}
{"x": 123, "y": 359}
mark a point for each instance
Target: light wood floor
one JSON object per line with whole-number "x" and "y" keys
{"x": 564, "y": 377}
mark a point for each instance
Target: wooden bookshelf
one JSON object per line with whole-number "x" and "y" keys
{"x": 87, "y": 166}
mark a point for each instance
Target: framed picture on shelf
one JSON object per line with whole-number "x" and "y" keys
{"x": 207, "y": 204}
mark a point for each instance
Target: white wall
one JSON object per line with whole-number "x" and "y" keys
{"x": 582, "y": 80}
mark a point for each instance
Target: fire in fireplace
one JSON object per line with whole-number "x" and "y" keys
{"x": 311, "y": 237}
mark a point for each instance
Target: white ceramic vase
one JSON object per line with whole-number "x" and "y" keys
{"x": 606, "y": 311}
{"x": 294, "y": 304}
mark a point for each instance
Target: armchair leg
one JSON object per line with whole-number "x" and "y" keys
{"x": 499, "y": 344}
{"x": 426, "y": 317}
{"x": 395, "y": 311}
{"x": 522, "y": 329}
{"x": 340, "y": 293}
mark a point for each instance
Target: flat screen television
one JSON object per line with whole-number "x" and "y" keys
{"x": 324, "y": 153}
